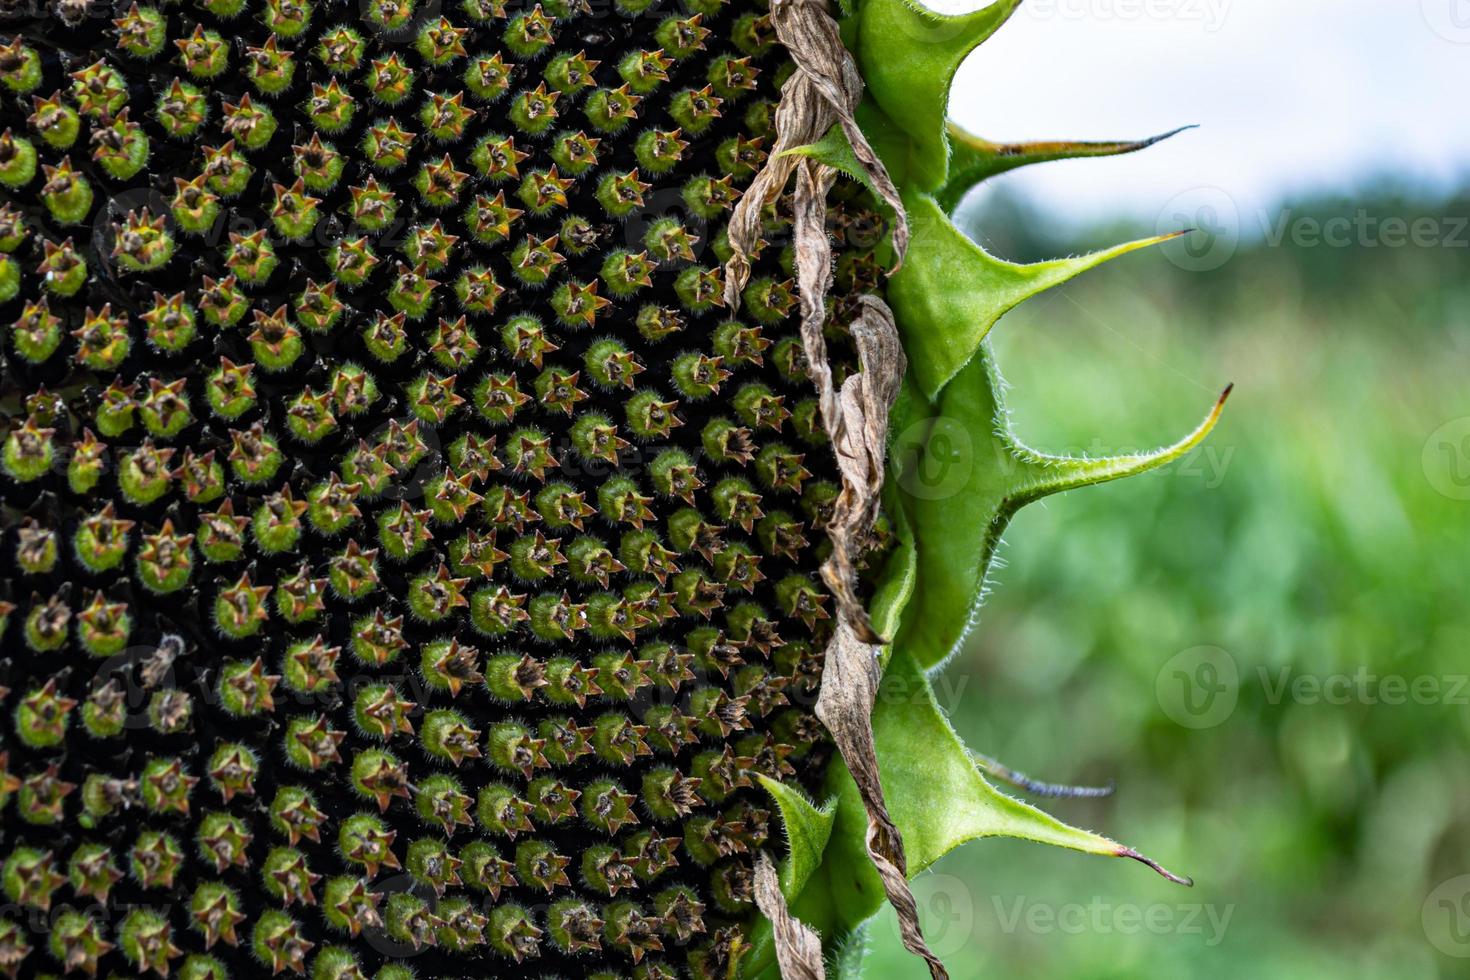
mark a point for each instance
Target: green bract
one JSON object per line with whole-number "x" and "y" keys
{"x": 956, "y": 474}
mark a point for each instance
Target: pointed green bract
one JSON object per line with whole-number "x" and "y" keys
{"x": 808, "y": 829}
{"x": 955, "y": 473}
{"x": 908, "y": 56}
{"x": 950, "y": 291}
{"x": 1055, "y": 474}
{"x": 847, "y": 962}
{"x": 964, "y": 477}
{"x": 835, "y": 151}
{"x": 895, "y": 586}
{"x": 935, "y": 795}
{"x": 974, "y": 159}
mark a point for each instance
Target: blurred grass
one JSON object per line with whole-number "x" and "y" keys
{"x": 1306, "y": 537}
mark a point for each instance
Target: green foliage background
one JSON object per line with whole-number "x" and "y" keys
{"x": 1306, "y": 539}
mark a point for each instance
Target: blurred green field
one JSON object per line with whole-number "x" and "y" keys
{"x": 1316, "y": 543}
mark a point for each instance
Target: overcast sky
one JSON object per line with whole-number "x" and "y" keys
{"x": 1292, "y": 96}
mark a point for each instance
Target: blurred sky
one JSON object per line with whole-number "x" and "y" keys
{"x": 1294, "y": 97}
